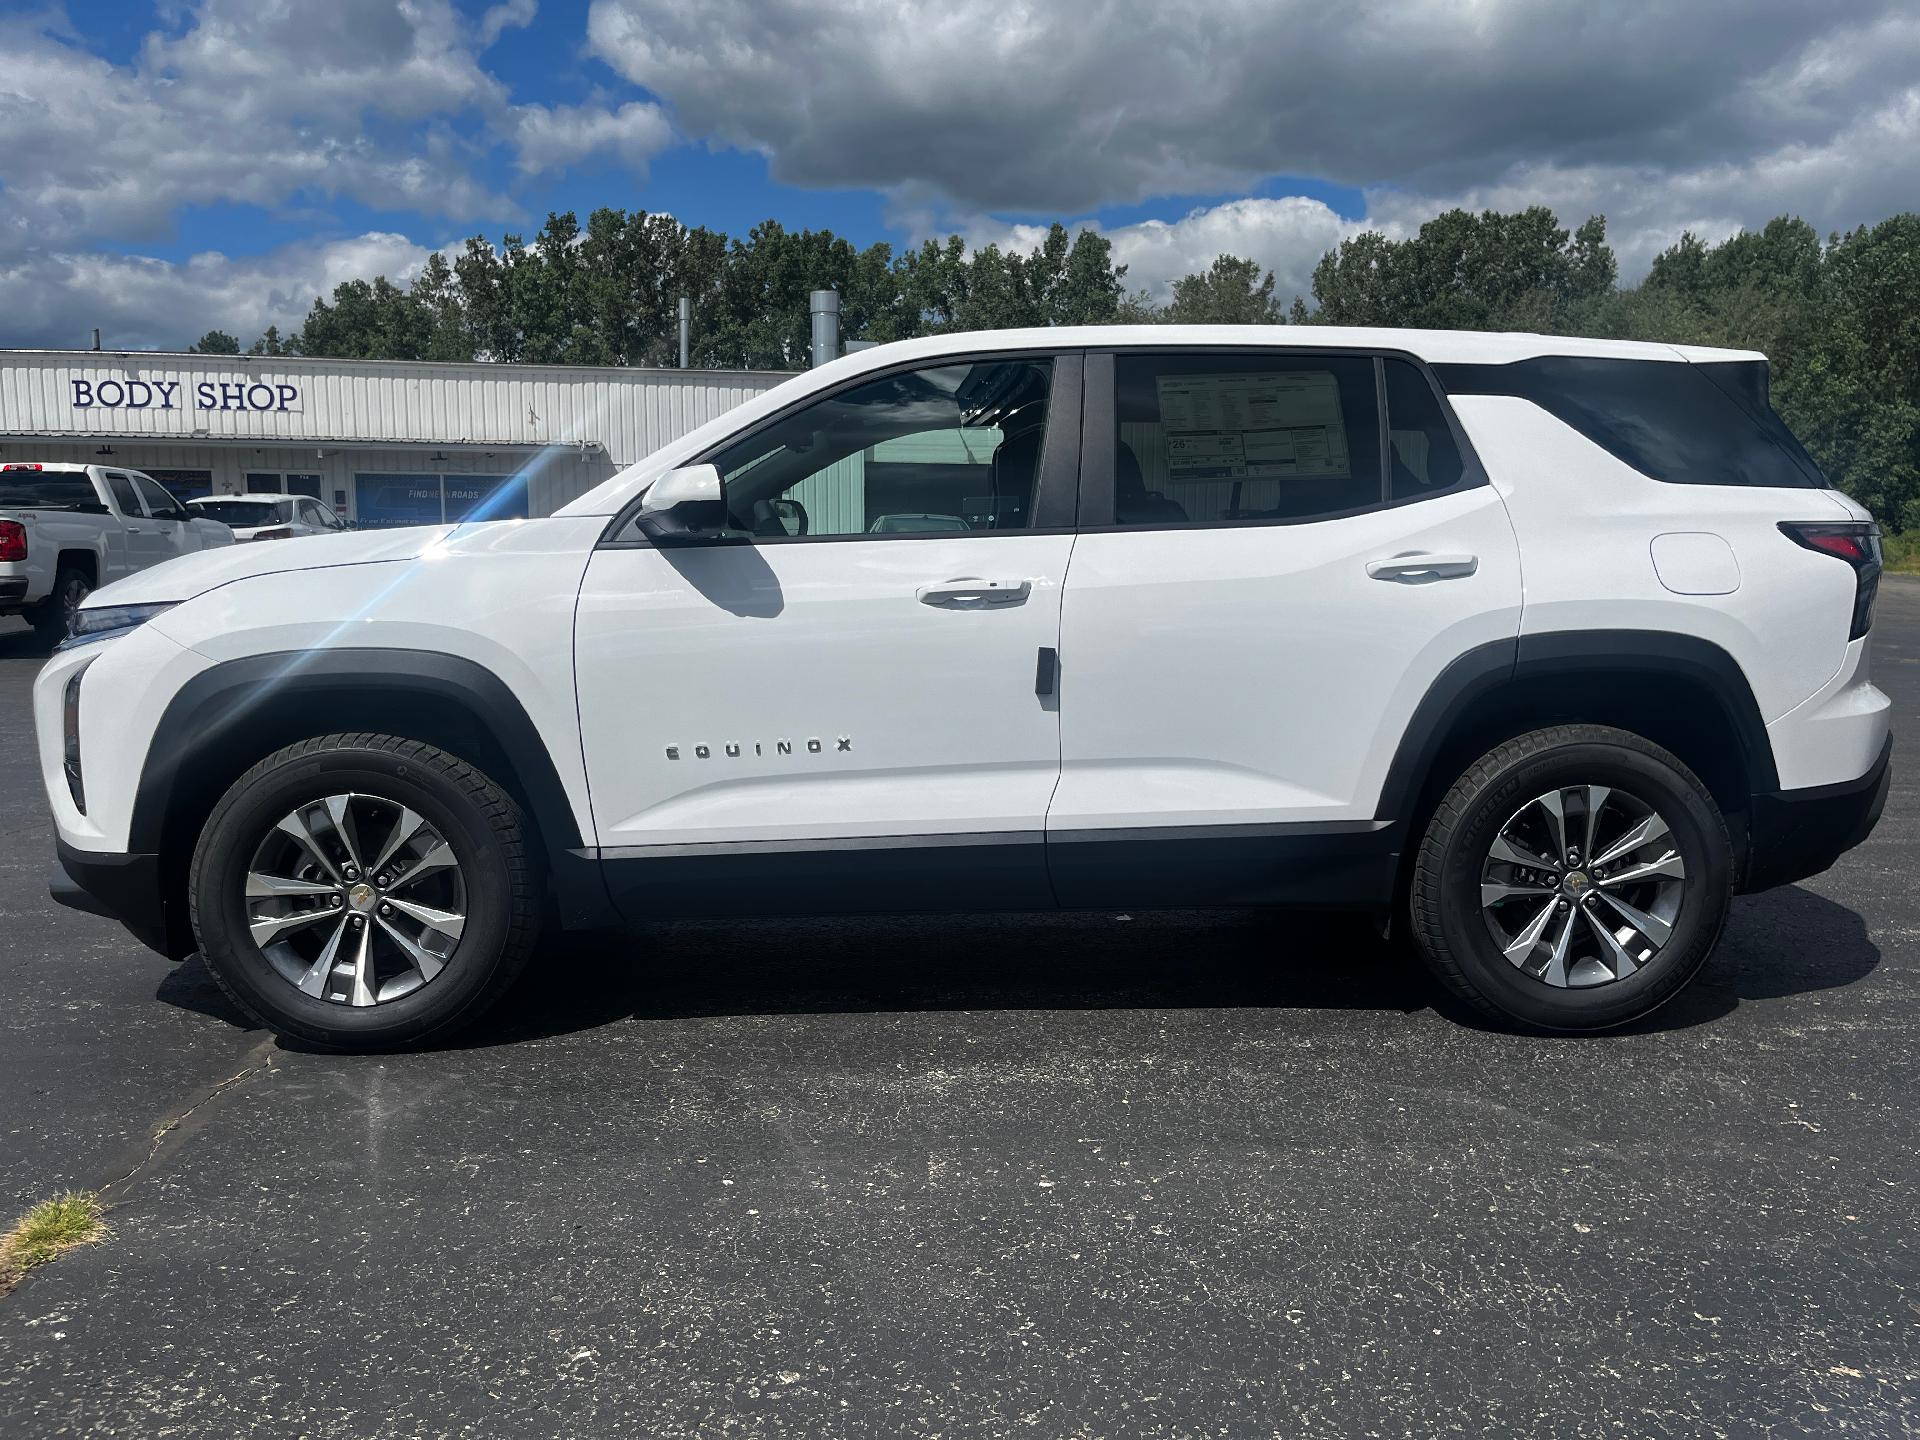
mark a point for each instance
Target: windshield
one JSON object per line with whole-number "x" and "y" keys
{"x": 48, "y": 490}
{"x": 241, "y": 513}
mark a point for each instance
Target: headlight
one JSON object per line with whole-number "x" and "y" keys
{"x": 104, "y": 620}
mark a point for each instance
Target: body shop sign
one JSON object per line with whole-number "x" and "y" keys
{"x": 254, "y": 395}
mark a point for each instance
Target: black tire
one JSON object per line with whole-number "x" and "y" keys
{"x": 1445, "y": 898}
{"x": 480, "y": 823}
{"x": 53, "y": 620}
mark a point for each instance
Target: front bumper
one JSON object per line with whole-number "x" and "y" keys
{"x": 124, "y": 888}
{"x": 1792, "y": 834}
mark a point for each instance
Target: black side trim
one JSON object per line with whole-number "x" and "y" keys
{"x": 1479, "y": 673}
{"x": 887, "y": 874}
{"x": 1337, "y": 865}
{"x": 215, "y": 709}
{"x": 121, "y": 887}
{"x": 722, "y": 849}
{"x": 1797, "y": 833}
{"x": 1470, "y": 676}
{"x": 1660, "y": 652}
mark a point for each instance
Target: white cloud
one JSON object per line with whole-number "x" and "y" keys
{"x": 1003, "y": 106}
{"x": 1286, "y": 235}
{"x": 555, "y": 137}
{"x": 508, "y": 15}
{"x": 259, "y": 102}
{"x": 1713, "y": 115}
{"x": 52, "y": 300}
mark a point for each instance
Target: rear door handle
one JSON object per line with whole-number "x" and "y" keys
{"x": 1423, "y": 567}
{"x": 972, "y": 593}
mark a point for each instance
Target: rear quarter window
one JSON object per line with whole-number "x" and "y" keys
{"x": 1673, "y": 421}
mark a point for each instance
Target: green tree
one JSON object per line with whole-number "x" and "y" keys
{"x": 1462, "y": 271}
{"x": 215, "y": 342}
{"x": 1231, "y": 291}
{"x": 271, "y": 342}
{"x": 435, "y": 295}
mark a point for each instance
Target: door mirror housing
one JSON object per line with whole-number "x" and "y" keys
{"x": 683, "y": 507}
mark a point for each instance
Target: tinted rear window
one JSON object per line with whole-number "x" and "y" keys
{"x": 1682, "y": 423}
{"x": 242, "y": 513}
{"x": 48, "y": 490}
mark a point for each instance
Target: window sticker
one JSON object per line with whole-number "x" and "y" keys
{"x": 1249, "y": 426}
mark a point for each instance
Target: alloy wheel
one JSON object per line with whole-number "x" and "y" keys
{"x": 1582, "y": 886}
{"x": 355, "y": 899}
{"x": 71, "y": 599}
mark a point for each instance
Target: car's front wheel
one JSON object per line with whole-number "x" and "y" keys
{"x": 364, "y": 892}
{"x": 1574, "y": 878}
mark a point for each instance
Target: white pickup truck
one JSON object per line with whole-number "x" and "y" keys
{"x": 66, "y": 530}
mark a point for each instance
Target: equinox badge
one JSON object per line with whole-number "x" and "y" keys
{"x": 842, "y": 744}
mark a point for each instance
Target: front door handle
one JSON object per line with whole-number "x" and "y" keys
{"x": 973, "y": 593}
{"x": 1420, "y": 567}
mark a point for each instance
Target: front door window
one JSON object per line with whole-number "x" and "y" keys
{"x": 949, "y": 450}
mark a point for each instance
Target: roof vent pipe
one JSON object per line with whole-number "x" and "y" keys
{"x": 824, "y": 307}
{"x": 686, "y": 320}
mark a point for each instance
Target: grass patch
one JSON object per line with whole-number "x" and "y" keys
{"x": 1902, "y": 552}
{"x": 48, "y": 1231}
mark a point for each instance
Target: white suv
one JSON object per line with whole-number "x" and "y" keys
{"x": 267, "y": 516}
{"x": 1546, "y": 647}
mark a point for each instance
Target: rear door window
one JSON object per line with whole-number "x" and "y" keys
{"x": 1211, "y": 437}
{"x": 123, "y": 496}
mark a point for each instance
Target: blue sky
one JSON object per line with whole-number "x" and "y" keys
{"x": 177, "y": 164}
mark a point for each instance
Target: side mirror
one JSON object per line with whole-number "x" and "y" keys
{"x": 684, "y": 506}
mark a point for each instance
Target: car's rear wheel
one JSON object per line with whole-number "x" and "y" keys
{"x": 1572, "y": 879}
{"x": 55, "y": 618}
{"x": 364, "y": 892}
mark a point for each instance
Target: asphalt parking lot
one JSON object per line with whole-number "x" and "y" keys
{"x": 1161, "y": 1175}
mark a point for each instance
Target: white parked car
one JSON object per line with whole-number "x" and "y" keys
{"x": 267, "y": 516}
{"x": 66, "y": 530}
{"x": 1544, "y": 647}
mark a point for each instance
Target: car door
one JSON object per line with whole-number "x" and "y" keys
{"x": 134, "y": 548}
{"x": 1280, "y": 553}
{"x": 847, "y": 701}
{"x": 152, "y": 536}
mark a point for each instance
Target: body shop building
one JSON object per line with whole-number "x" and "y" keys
{"x": 385, "y": 442}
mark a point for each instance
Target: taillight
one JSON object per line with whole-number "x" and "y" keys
{"x": 283, "y": 533}
{"x": 13, "y": 540}
{"x": 21, "y": 465}
{"x": 1856, "y": 543}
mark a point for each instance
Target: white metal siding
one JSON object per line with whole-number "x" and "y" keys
{"x": 566, "y": 427}
{"x": 629, "y": 412}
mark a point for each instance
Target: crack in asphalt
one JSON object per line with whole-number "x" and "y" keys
{"x": 259, "y": 1062}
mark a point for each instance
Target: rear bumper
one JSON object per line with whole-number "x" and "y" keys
{"x": 121, "y": 887}
{"x": 1796, "y": 833}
